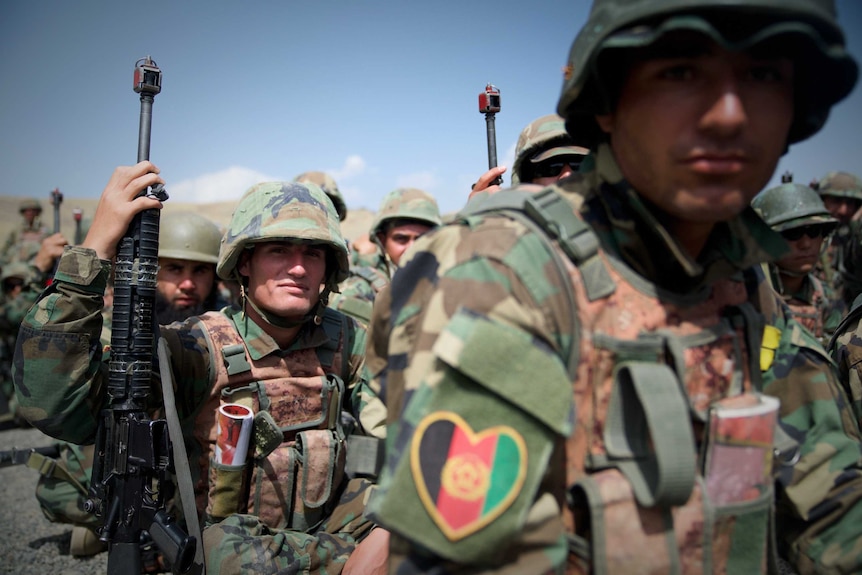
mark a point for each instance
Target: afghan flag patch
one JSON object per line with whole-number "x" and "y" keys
{"x": 466, "y": 479}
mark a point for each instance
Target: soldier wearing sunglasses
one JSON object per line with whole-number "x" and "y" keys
{"x": 545, "y": 153}
{"x": 798, "y": 213}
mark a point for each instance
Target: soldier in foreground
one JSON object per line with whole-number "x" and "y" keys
{"x": 297, "y": 364}
{"x": 556, "y": 357}
{"x": 798, "y": 214}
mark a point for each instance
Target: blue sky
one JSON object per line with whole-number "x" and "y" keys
{"x": 379, "y": 94}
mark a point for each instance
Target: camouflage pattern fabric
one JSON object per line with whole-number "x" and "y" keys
{"x": 60, "y": 500}
{"x": 22, "y": 243}
{"x": 357, "y": 293}
{"x": 489, "y": 266}
{"x": 547, "y": 135}
{"x": 61, "y": 390}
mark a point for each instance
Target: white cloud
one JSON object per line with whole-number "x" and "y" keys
{"x": 353, "y": 166}
{"x": 426, "y": 181}
{"x": 225, "y": 185}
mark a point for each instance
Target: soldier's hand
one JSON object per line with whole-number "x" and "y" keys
{"x": 486, "y": 182}
{"x": 371, "y": 556}
{"x": 50, "y": 249}
{"x": 119, "y": 204}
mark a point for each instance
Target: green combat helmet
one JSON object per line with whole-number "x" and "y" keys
{"x": 330, "y": 188}
{"x": 827, "y": 71}
{"x": 791, "y": 206}
{"x": 274, "y": 211}
{"x": 18, "y": 270}
{"x": 547, "y": 133}
{"x": 405, "y": 204}
{"x": 189, "y": 236}
{"x": 841, "y": 185}
{"x": 29, "y": 204}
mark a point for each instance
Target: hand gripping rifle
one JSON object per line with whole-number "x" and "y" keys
{"x": 489, "y": 104}
{"x": 133, "y": 465}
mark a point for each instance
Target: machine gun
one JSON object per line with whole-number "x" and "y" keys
{"x": 133, "y": 464}
{"x": 489, "y": 104}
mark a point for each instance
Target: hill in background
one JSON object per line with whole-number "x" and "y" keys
{"x": 357, "y": 223}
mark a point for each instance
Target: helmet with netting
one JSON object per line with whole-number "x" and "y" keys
{"x": 824, "y": 72}
{"x": 406, "y": 204}
{"x": 330, "y": 188}
{"x": 791, "y": 206}
{"x": 840, "y": 185}
{"x": 284, "y": 211}
{"x": 29, "y": 204}
{"x": 189, "y": 236}
{"x": 543, "y": 138}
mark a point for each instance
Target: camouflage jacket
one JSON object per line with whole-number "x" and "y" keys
{"x": 488, "y": 265}
{"x": 813, "y": 306}
{"x": 357, "y": 293}
{"x": 62, "y": 387}
{"x": 22, "y": 243}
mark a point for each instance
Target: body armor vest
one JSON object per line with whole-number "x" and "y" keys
{"x": 296, "y": 460}
{"x": 647, "y": 366}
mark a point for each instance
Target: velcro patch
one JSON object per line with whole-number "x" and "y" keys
{"x": 466, "y": 479}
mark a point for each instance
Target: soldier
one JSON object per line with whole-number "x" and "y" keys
{"x": 555, "y": 356}
{"x": 329, "y": 187}
{"x": 188, "y": 254}
{"x": 23, "y": 243}
{"x": 798, "y": 214}
{"x": 544, "y": 154}
{"x": 842, "y": 195}
{"x": 404, "y": 215}
{"x": 297, "y": 363}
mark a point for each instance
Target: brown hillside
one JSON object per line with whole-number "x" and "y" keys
{"x": 357, "y": 222}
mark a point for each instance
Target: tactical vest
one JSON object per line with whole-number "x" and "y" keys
{"x": 296, "y": 460}
{"x": 646, "y": 368}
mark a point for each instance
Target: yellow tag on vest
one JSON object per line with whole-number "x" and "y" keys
{"x": 771, "y": 337}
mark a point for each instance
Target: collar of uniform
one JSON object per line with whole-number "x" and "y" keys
{"x": 641, "y": 239}
{"x": 261, "y": 344}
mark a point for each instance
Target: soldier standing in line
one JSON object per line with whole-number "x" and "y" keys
{"x": 798, "y": 214}
{"x": 555, "y": 356}
{"x": 404, "y": 215}
{"x": 23, "y": 243}
{"x": 842, "y": 194}
{"x": 298, "y": 364}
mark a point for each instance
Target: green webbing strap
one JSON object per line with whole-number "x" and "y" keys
{"x": 332, "y": 325}
{"x": 647, "y": 409}
{"x": 48, "y": 467}
{"x": 555, "y": 216}
{"x": 234, "y": 358}
{"x": 577, "y": 239}
{"x": 181, "y": 458}
{"x": 377, "y": 280}
{"x": 364, "y": 456}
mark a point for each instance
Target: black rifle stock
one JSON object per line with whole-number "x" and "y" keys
{"x": 132, "y": 468}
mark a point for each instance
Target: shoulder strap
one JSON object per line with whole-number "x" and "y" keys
{"x": 552, "y": 218}
{"x": 334, "y": 324}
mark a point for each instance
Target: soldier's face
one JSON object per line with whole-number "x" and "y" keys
{"x": 805, "y": 245}
{"x": 185, "y": 284}
{"x": 842, "y": 209}
{"x": 698, "y": 130}
{"x": 285, "y": 278}
{"x": 398, "y": 238}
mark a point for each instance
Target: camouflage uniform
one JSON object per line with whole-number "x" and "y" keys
{"x": 835, "y": 271}
{"x": 792, "y": 206}
{"x": 23, "y": 243}
{"x": 358, "y": 291}
{"x": 235, "y": 539}
{"x": 509, "y": 357}
{"x": 329, "y": 187}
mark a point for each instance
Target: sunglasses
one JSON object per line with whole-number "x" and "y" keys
{"x": 813, "y": 232}
{"x": 553, "y": 167}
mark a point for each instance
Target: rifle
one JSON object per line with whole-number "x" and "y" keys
{"x": 132, "y": 466}
{"x": 56, "y": 200}
{"x": 489, "y": 104}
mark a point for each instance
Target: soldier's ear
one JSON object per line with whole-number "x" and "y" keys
{"x": 605, "y": 122}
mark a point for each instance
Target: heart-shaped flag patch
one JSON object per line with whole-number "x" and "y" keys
{"x": 466, "y": 479}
